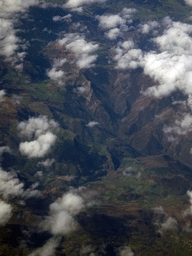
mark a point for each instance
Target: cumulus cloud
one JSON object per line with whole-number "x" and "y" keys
{"x": 92, "y": 124}
{"x": 169, "y": 224}
{"x": 181, "y": 127}
{"x": 189, "y": 2}
{"x": 56, "y": 73}
{"x": 81, "y": 49}
{"x": 36, "y": 126}
{"x": 171, "y": 67}
{"x": 61, "y": 218}
{"x": 40, "y": 129}
{"x": 47, "y": 163}
{"x": 127, "y": 56}
{"x": 163, "y": 221}
{"x": 9, "y": 42}
{"x": 47, "y": 249}
{"x": 113, "y": 33}
{"x": 2, "y": 95}
{"x": 189, "y": 210}
{"x": 10, "y": 186}
{"x": 32, "y": 192}
{"x": 5, "y": 212}
{"x": 39, "y": 147}
{"x": 110, "y": 21}
{"x": 126, "y": 251}
{"x": 149, "y": 26}
{"x": 78, "y": 3}
{"x": 116, "y": 23}
{"x": 4, "y": 149}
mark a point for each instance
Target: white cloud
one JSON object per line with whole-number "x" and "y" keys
{"x": 2, "y": 95}
{"x": 5, "y": 212}
{"x": 60, "y": 220}
{"x": 10, "y": 186}
{"x": 9, "y": 42}
{"x": 171, "y": 66}
{"x": 55, "y": 75}
{"x": 189, "y": 210}
{"x": 47, "y": 249}
{"x": 92, "y": 124}
{"x": 4, "y": 149}
{"x": 110, "y": 21}
{"x": 169, "y": 224}
{"x": 78, "y": 3}
{"x": 39, "y": 147}
{"x": 126, "y": 251}
{"x": 47, "y": 163}
{"x": 128, "y": 58}
{"x": 149, "y": 26}
{"x": 81, "y": 48}
{"x": 163, "y": 221}
{"x": 189, "y": 2}
{"x": 39, "y": 128}
{"x": 180, "y": 127}
{"x": 36, "y": 126}
{"x": 113, "y": 33}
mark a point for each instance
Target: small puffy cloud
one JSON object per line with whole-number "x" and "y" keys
{"x": 127, "y": 56}
{"x": 180, "y": 128}
{"x": 60, "y": 18}
{"x": 113, "y": 33}
{"x": 149, "y": 26}
{"x": 126, "y": 251}
{"x": 5, "y": 212}
{"x": 189, "y": 210}
{"x": 36, "y": 126}
{"x": 169, "y": 224}
{"x": 92, "y": 124}
{"x": 10, "y": 186}
{"x": 47, "y": 249}
{"x": 55, "y": 75}
{"x": 189, "y": 2}
{"x": 127, "y": 12}
{"x": 110, "y": 21}
{"x": 47, "y": 163}
{"x": 32, "y": 192}
{"x": 163, "y": 221}
{"x": 78, "y": 3}
{"x": 39, "y": 147}
{"x": 60, "y": 220}
{"x": 130, "y": 59}
{"x": 172, "y": 67}
{"x": 4, "y": 149}
{"x": 9, "y": 42}
{"x": 2, "y": 95}
{"x": 39, "y": 128}
{"x": 81, "y": 49}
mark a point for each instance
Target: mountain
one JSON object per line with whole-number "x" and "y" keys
{"x": 95, "y": 100}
